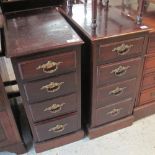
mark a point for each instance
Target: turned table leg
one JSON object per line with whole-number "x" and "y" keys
{"x": 140, "y": 11}
{"x": 94, "y": 13}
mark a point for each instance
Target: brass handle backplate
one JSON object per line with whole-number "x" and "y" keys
{"x": 54, "y": 108}
{"x": 58, "y": 128}
{"x": 120, "y": 71}
{"x": 117, "y": 91}
{"x": 123, "y": 49}
{"x": 114, "y": 112}
{"x": 52, "y": 86}
{"x": 49, "y": 67}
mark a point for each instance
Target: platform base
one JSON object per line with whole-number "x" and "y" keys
{"x": 144, "y": 111}
{"x": 111, "y": 127}
{"x": 56, "y": 142}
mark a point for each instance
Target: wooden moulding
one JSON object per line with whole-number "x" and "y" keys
{"x": 18, "y": 148}
{"x": 144, "y": 111}
{"x": 57, "y": 142}
{"x": 108, "y": 128}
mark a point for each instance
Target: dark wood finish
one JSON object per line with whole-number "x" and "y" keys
{"x": 52, "y": 108}
{"x": 148, "y": 81}
{"x": 112, "y": 30}
{"x": 53, "y": 40}
{"x": 61, "y": 34}
{"x": 114, "y": 112}
{"x": 149, "y": 66}
{"x": 14, "y": 5}
{"x": 10, "y": 135}
{"x": 111, "y": 127}
{"x": 115, "y": 92}
{"x": 64, "y": 62}
{"x": 111, "y": 51}
{"x": 107, "y": 74}
{"x": 147, "y": 95}
{"x": 57, "y": 128}
{"x": 68, "y": 85}
{"x": 57, "y": 142}
{"x": 144, "y": 110}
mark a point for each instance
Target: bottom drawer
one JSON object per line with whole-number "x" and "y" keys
{"x": 52, "y": 129}
{"x": 147, "y": 95}
{"x": 114, "y": 112}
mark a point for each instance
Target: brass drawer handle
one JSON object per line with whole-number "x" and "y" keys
{"x": 49, "y": 67}
{"x": 114, "y": 112}
{"x": 58, "y": 128}
{"x": 123, "y": 49}
{"x": 52, "y": 87}
{"x": 54, "y": 108}
{"x": 117, "y": 91}
{"x": 120, "y": 71}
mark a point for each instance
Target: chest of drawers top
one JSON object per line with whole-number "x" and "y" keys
{"x": 34, "y": 31}
{"x": 110, "y": 23}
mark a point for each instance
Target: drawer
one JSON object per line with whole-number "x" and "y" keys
{"x": 53, "y": 108}
{"x": 116, "y": 72}
{"x": 149, "y": 65}
{"x": 47, "y": 66}
{"x": 151, "y": 44}
{"x": 49, "y": 88}
{"x": 147, "y": 95}
{"x": 114, "y": 112}
{"x": 119, "y": 50}
{"x": 52, "y": 129}
{"x": 116, "y": 92}
{"x": 148, "y": 81}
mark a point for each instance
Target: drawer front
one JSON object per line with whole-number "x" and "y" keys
{"x": 53, "y": 108}
{"x": 49, "y": 88}
{"x": 47, "y": 66}
{"x": 151, "y": 44}
{"x": 114, "y": 112}
{"x": 147, "y": 95}
{"x": 149, "y": 65}
{"x": 57, "y": 128}
{"x": 114, "y": 93}
{"x": 119, "y": 50}
{"x": 148, "y": 81}
{"x": 119, "y": 71}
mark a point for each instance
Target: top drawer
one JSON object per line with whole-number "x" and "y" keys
{"x": 51, "y": 65}
{"x": 120, "y": 50}
{"x": 151, "y": 45}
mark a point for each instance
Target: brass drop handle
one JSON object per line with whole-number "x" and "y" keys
{"x": 49, "y": 67}
{"x": 114, "y": 112}
{"x": 58, "y": 128}
{"x": 123, "y": 49}
{"x": 117, "y": 91}
{"x": 54, "y": 108}
{"x": 52, "y": 87}
{"x": 120, "y": 71}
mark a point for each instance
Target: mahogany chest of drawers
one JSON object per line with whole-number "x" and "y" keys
{"x": 115, "y": 49}
{"x": 46, "y": 57}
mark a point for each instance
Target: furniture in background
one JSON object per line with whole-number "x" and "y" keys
{"x": 14, "y": 137}
{"x": 46, "y": 57}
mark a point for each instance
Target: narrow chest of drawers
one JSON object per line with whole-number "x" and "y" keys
{"x": 115, "y": 56}
{"x": 116, "y": 78}
{"x": 48, "y": 72}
